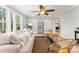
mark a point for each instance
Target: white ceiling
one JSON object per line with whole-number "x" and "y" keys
{"x": 26, "y": 10}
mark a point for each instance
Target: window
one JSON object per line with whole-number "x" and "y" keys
{"x": 18, "y": 19}
{"x": 11, "y": 15}
{"x": 2, "y": 20}
{"x": 7, "y": 16}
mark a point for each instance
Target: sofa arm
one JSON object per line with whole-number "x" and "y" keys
{"x": 10, "y": 48}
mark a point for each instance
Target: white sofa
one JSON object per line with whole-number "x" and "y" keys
{"x": 16, "y": 42}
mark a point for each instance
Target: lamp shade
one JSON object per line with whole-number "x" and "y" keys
{"x": 29, "y": 24}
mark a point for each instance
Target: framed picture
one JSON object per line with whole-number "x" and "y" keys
{"x": 40, "y": 27}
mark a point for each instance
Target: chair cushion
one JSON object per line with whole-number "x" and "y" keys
{"x": 64, "y": 50}
{"x": 55, "y": 47}
{"x": 64, "y": 42}
{"x": 75, "y": 49}
{"x": 56, "y": 37}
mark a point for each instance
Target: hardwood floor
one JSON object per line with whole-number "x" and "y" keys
{"x": 40, "y": 44}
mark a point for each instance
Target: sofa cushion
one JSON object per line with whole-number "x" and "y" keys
{"x": 14, "y": 39}
{"x": 27, "y": 33}
{"x": 27, "y": 48}
{"x": 23, "y": 38}
{"x": 4, "y": 39}
{"x": 19, "y": 38}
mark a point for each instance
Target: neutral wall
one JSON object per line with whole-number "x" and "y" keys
{"x": 48, "y": 24}
{"x": 70, "y": 20}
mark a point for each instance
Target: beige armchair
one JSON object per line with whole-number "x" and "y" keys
{"x": 63, "y": 46}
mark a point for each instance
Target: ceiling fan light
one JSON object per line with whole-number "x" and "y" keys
{"x": 42, "y": 12}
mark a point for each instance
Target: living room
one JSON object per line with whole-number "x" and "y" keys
{"x": 36, "y": 21}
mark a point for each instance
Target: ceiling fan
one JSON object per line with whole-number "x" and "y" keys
{"x": 43, "y": 10}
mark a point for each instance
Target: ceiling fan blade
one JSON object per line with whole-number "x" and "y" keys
{"x": 50, "y": 10}
{"x": 38, "y": 14}
{"x": 46, "y": 14}
{"x": 41, "y": 6}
